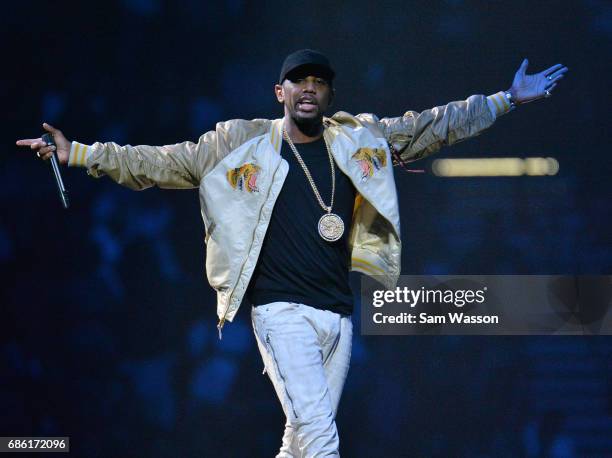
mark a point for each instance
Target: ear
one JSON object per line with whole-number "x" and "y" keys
{"x": 280, "y": 94}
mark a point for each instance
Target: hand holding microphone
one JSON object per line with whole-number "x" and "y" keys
{"x": 55, "y": 147}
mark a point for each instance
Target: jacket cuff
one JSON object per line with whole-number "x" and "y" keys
{"x": 79, "y": 153}
{"x": 498, "y": 104}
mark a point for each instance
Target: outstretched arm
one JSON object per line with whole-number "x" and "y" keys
{"x": 138, "y": 167}
{"x": 416, "y": 135}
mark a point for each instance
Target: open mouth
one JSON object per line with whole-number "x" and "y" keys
{"x": 306, "y": 105}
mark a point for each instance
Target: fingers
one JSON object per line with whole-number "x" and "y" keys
{"x": 49, "y": 128}
{"x": 548, "y": 71}
{"x": 524, "y": 65}
{"x": 46, "y": 151}
{"x": 43, "y": 150}
{"x": 557, "y": 73}
{"x": 555, "y": 76}
{"x": 37, "y": 145}
{"x": 47, "y": 156}
{"x": 554, "y": 80}
{"x": 28, "y": 141}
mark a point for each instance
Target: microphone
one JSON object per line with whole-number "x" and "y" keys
{"x": 48, "y": 139}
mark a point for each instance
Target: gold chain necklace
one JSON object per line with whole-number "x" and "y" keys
{"x": 331, "y": 226}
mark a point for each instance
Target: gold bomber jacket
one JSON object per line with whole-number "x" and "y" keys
{"x": 239, "y": 172}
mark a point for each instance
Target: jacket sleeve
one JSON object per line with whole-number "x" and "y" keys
{"x": 139, "y": 167}
{"x": 416, "y": 135}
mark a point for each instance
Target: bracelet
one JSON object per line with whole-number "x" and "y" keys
{"x": 510, "y": 100}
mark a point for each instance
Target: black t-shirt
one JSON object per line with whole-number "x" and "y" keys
{"x": 295, "y": 263}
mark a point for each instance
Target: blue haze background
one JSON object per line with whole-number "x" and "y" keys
{"x": 108, "y": 325}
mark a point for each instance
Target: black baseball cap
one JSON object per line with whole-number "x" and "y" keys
{"x": 307, "y": 61}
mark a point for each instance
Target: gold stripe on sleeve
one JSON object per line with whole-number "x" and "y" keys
{"x": 366, "y": 265}
{"x": 499, "y": 109}
{"x": 506, "y": 103}
{"x": 75, "y": 157}
{"x": 82, "y": 161}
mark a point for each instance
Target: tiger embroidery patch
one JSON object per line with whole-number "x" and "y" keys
{"x": 370, "y": 160}
{"x": 244, "y": 177}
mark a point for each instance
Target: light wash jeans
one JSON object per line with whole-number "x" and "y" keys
{"x": 306, "y": 353}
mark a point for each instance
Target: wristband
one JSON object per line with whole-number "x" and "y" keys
{"x": 510, "y": 100}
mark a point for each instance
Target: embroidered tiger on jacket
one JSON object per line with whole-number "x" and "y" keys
{"x": 244, "y": 177}
{"x": 370, "y": 160}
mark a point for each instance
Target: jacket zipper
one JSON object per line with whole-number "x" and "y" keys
{"x": 220, "y": 326}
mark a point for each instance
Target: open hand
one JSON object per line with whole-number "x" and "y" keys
{"x": 526, "y": 88}
{"x": 45, "y": 151}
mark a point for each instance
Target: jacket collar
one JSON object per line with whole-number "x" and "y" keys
{"x": 276, "y": 131}
{"x": 276, "y": 134}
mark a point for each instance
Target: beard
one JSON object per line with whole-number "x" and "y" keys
{"x": 308, "y": 126}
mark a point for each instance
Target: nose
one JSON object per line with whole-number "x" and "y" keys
{"x": 309, "y": 86}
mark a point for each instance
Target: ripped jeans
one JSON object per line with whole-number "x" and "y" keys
{"x": 306, "y": 353}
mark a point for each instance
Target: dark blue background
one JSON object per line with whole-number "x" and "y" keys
{"x": 108, "y": 325}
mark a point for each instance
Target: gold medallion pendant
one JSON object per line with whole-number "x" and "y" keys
{"x": 331, "y": 227}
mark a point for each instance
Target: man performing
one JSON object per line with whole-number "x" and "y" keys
{"x": 290, "y": 206}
